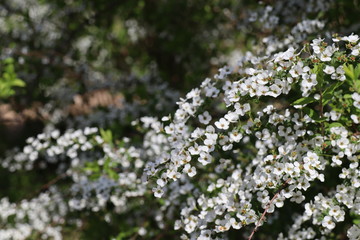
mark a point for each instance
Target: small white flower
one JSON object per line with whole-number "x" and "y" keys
{"x": 328, "y": 223}
{"x": 354, "y": 232}
{"x": 205, "y": 158}
{"x": 191, "y": 171}
{"x": 158, "y": 192}
{"x": 222, "y": 124}
{"x": 205, "y": 118}
{"x": 235, "y": 136}
{"x": 329, "y": 69}
{"x": 356, "y": 98}
{"x": 297, "y": 197}
{"x": 355, "y": 118}
{"x": 343, "y": 143}
{"x": 352, "y": 38}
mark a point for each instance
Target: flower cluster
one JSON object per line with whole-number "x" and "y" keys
{"x": 35, "y": 217}
{"x": 265, "y": 150}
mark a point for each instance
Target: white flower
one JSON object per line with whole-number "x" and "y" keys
{"x": 355, "y": 50}
{"x": 352, "y": 38}
{"x": 325, "y": 56}
{"x": 205, "y": 158}
{"x": 354, "y": 232}
{"x": 339, "y": 74}
{"x": 194, "y": 150}
{"x": 343, "y": 143}
{"x": 355, "y": 118}
{"x": 356, "y": 98}
{"x": 297, "y": 197}
{"x": 191, "y": 171}
{"x": 329, "y": 69}
{"x": 222, "y": 124}
{"x": 170, "y": 129}
{"x": 205, "y": 235}
{"x": 232, "y": 117}
{"x": 308, "y": 80}
{"x": 161, "y": 182}
{"x": 205, "y": 118}
{"x": 210, "y": 139}
{"x": 297, "y": 70}
{"x": 158, "y": 192}
{"x": 285, "y": 55}
{"x": 235, "y": 224}
{"x": 242, "y": 109}
{"x": 316, "y": 45}
{"x": 328, "y": 223}
{"x": 235, "y": 136}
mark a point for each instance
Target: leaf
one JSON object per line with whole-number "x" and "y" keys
{"x": 127, "y": 233}
{"x": 357, "y": 71}
{"x": 18, "y": 83}
{"x": 335, "y": 124}
{"x": 320, "y": 120}
{"x": 9, "y": 79}
{"x": 327, "y": 97}
{"x": 315, "y": 69}
{"x": 9, "y": 61}
{"x": 333, "y": 87}
{"x": 107, "y": 136}
{"x": 353, "y": 74}
{"x": 303, "y": 101}
{"x": 349, "y": 71}
{"x": 112, "y": 174}
{"x": 311, "y": 113}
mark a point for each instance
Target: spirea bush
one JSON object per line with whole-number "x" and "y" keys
{"x": 268, "y": 148}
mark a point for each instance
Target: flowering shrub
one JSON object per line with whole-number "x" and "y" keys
{"x": 268, "y": 148}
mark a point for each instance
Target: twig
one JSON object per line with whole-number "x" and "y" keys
{"x": 267, "y": 207}
{"x": 322, "y": 113}
{"x": 48, "y": 184}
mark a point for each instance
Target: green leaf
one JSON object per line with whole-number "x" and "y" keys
{"x": 315, "y": 69}
{"x": 327, "y": 97}
{"x": 9, "y": 61}
{"x": 127, "y": 233}
{"x": 357, "y": 71}
{"x": 303, "y": 101}
{"x": 320, "y": 120}
{"x": 18, "y": 83}
{"x": 9, "y": 79}
{"x": 353, "y": 75}
{"x": 335, "y": 124}
{"x": 107, "y": 136}
{"x": 333, "y": 87}
{"x": 112, "y": 174}
{"x": 311, "y": 113}
{"x": 349, "y": 71}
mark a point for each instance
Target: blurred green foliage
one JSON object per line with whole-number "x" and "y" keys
{"x": 9, "y": 79}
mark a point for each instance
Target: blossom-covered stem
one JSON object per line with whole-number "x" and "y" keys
{"x": 322, "y": 113}
{"x": 267, "y": 207}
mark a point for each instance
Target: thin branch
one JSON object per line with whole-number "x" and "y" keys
{"x": 267, "y": 207}
{"x": 48, "y": 184}
{"x": 322, "y": 113}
